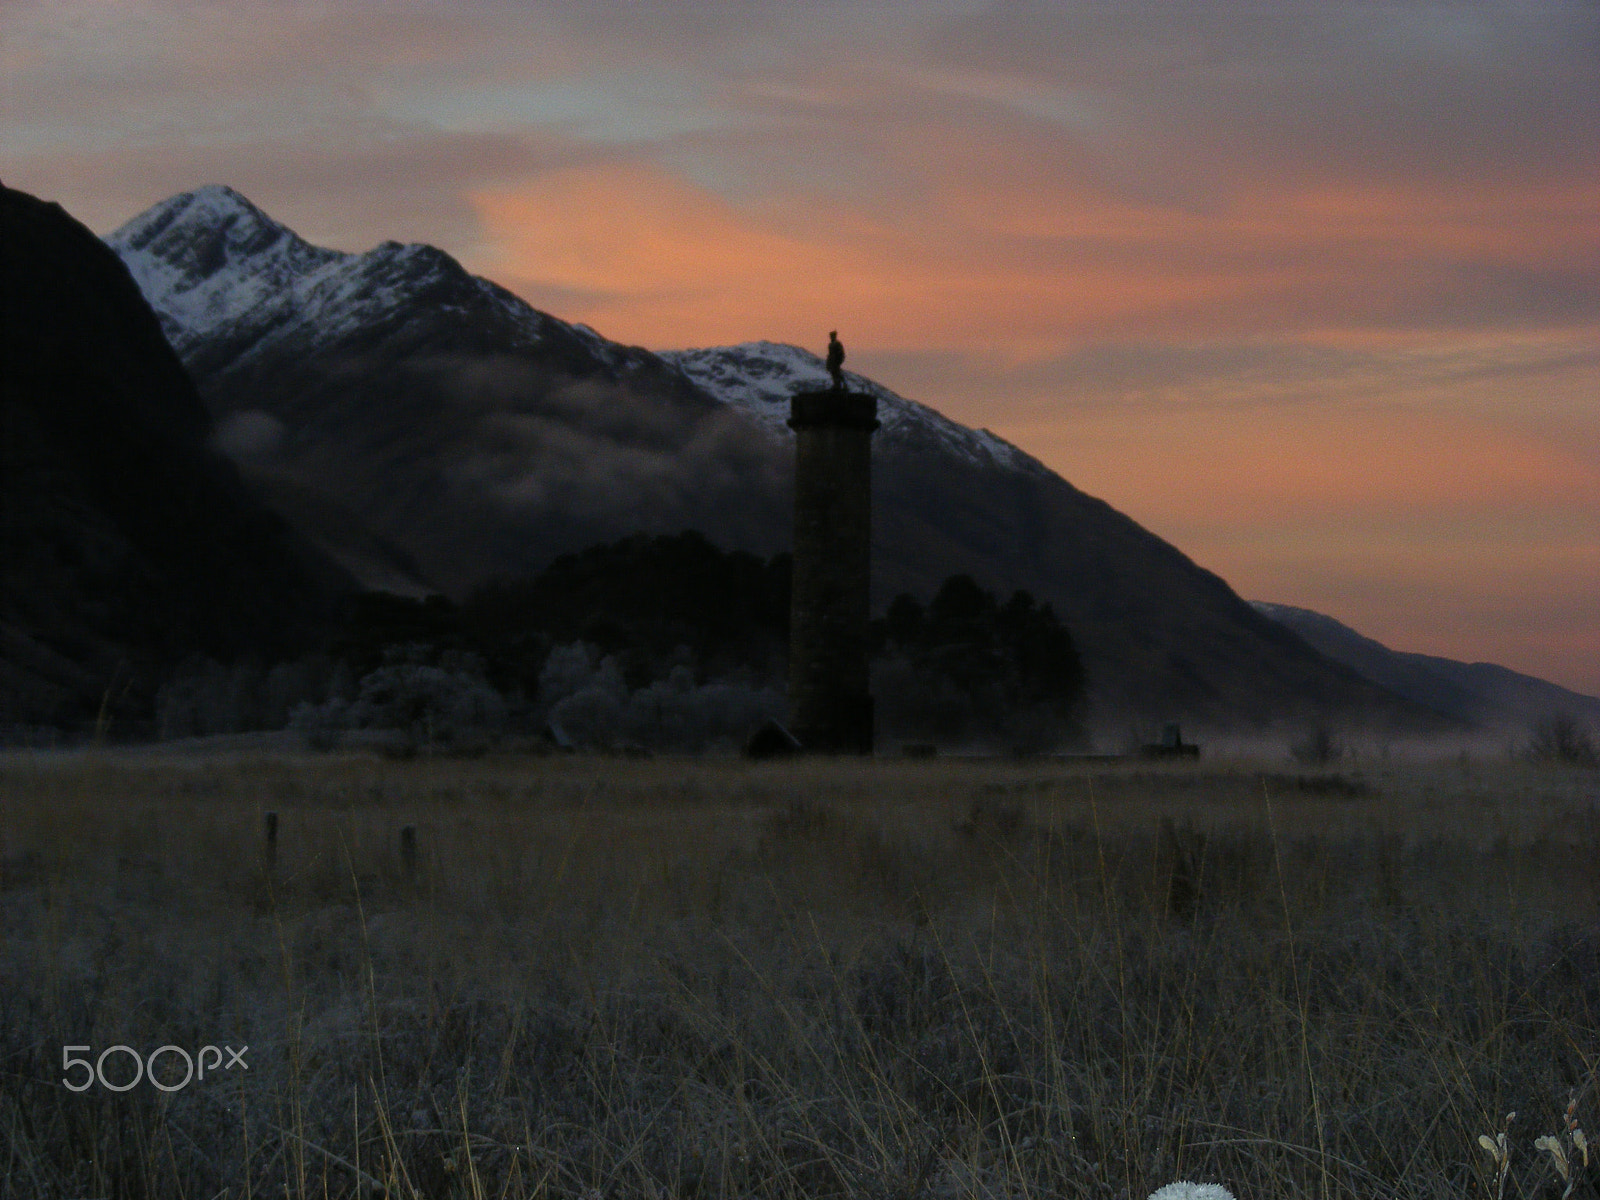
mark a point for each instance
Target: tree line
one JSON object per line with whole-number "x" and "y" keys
{"x": 662, "y": 641}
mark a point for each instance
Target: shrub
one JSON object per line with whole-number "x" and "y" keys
{"x": 321, "y": 724}
{"x": 1318, "y": 748}
{"x": 1561, "y": 740}
{"x": 449, "y": 707}
{"x": 588, "y": 704}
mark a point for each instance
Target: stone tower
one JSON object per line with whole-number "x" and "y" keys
{"x": 830, "y": 706}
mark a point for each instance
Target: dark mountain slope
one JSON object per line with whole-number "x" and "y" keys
{"x": 128, "y": 541}
{"x": 1479, "y": 693}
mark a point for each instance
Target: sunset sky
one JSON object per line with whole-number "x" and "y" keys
{"x": 1311, "y": 290}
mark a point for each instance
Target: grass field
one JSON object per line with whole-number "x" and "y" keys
{"x": 608, "y": 978}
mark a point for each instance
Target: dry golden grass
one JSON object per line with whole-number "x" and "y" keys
{"x": 609, "y": 978}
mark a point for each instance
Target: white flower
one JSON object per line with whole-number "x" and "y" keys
{"x": 1184, "y": 1190}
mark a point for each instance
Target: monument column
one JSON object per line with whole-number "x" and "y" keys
{"x": 830, "y": 704}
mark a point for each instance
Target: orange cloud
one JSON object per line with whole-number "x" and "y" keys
{"x": 1029, "y": 262}
{"x": 1197, "y": 474}
{"x": 647, "y": 258}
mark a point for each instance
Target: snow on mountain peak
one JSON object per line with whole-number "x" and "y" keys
{"x": 214, "y": 222}
{"x": 758, "y": 378}
{"x": 206, "y": 258}
{"x": 212, "y": 263}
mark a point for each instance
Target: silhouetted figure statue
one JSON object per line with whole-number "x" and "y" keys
{"x": 836, "y": 360}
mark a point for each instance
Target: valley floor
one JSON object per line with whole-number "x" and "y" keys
{"x": 609, "y": 978}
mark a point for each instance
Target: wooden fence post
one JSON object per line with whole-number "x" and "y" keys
{"x": 272, "y": 840}
{"x": 408, "y": 851}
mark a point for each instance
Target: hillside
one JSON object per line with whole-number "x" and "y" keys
{"x": 1481, "y": 694}
{"x": 129, "y": 541}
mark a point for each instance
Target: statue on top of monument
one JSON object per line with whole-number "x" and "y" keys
{"x": 836, "y": 360}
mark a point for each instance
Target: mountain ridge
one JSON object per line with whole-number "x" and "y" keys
{"x": 1481, "y": 693}
{"x": 481, "y": 438}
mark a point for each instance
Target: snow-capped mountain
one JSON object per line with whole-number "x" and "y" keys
{"x": 404, "y": 414}
{"x": 214, "y": 265}
{"x": 244, "y": 264}
{"x": 219, "y": 271}
{"x": 325, "y": 371}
